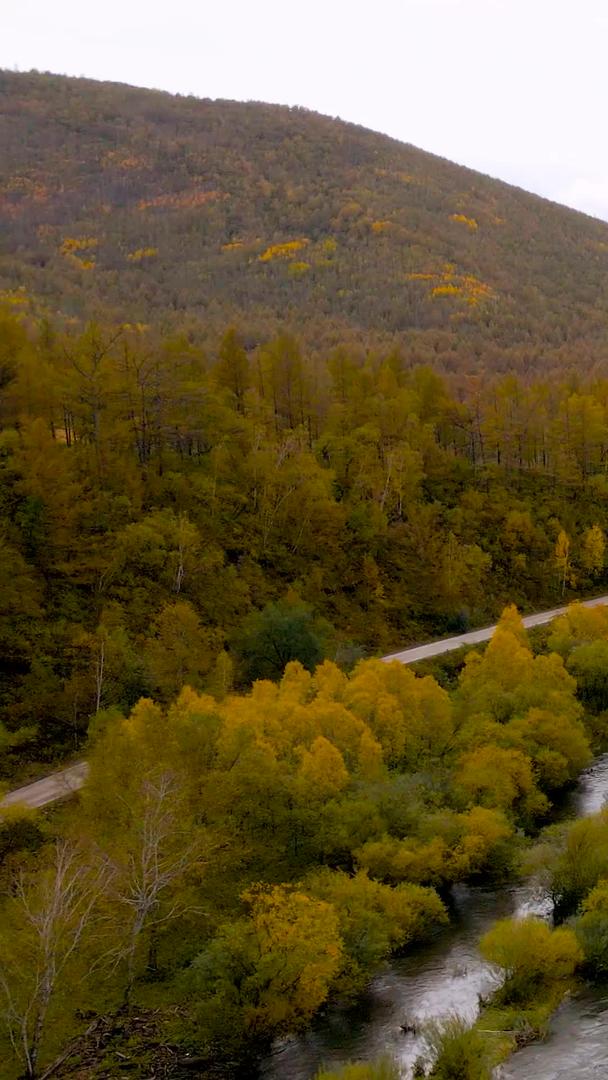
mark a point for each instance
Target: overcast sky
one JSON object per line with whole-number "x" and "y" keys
{"x": 515, "y": 88}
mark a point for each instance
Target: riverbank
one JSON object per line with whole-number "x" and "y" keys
{"x": 447, "y": 976}
{"x": 506, "y": 1029}
{"x": 576, "y": 1044}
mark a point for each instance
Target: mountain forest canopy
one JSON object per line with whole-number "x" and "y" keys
{"x": 131, "y": 205}
{"x": 188, "y": 501}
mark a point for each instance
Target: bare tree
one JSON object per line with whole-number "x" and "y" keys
{"x": 100, "y": 660}
{"x": 161, "y": 851}
{"x": 45, "y": 923}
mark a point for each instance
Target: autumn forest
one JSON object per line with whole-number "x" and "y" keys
{"x": 279, "y": 396}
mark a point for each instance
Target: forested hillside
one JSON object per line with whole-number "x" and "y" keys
{"x": 130, "y": 205}
{"x": 243, "y": 459}
{"x": 157, "y": 503}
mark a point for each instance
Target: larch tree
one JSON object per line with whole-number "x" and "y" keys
{"x": 232, "y": 368}
{"x": 593, "y": 550}
{"x": 561, "y": 557}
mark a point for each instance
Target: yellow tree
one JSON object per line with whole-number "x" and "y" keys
{"x": 530, "y": 955}
{"x": 500, "y": 778}
{"x": 179, "y": 652}
{"x": 410, "y": 717}
{"x": 267, "y": 973}
{"x": 593, "y": 550}
{"x": 578, "y": 626}
{"x": 375, "y": 919}
{"x": 508, "y": 680}
{"x": 561, "y": 557}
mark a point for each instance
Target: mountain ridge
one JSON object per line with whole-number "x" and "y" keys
{"x": 126, "y": 204}
{"x": 304, "y": 110}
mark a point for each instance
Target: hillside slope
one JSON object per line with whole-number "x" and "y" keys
{"x": 134, "y": 205}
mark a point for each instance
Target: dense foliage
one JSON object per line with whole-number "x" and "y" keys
{"x": 237, "y": 861}
{"x": 132, "y": 205}
{"x": 170, "y": 517}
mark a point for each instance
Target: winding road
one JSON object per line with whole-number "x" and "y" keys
{"x": 61, "y": 785}
{"x": 475, "y": 637}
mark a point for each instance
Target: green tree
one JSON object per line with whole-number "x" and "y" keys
{"x": 579, "y": 861}
{"x": 589, "y": 665}
{"x": 281, "y": 632}
{"x": 591, "y": 928}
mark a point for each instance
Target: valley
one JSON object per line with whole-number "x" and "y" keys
{"x": 288, "y": 409}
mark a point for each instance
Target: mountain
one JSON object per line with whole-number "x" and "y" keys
{"x": 132, "y": 205}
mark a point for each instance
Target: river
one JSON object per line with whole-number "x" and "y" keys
{"x": 445, "y": 977}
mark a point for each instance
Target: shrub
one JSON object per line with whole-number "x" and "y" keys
{"x": 531, "y": 955}
{"x": 384, "y": 1069}
{"x": 592, "y": 929}
{"x": 458, "y": 1050}
{"x": 582, "y": 862}
{"x": 589, "y": 665}
{"x": 374, "y": 919}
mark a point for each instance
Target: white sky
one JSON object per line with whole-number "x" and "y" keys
{"x": 515, "y": 88}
